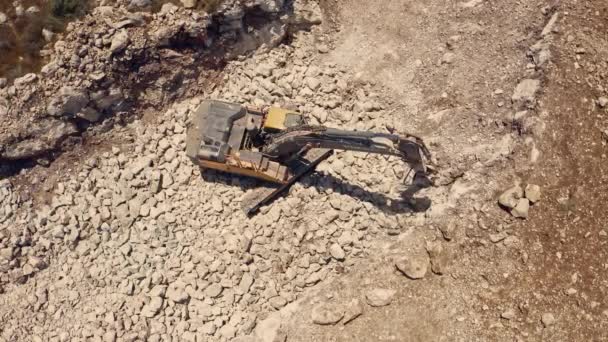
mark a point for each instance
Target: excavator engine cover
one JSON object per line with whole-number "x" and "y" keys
{"x": 278, "y": 119}
{"x": 208, "y": 136}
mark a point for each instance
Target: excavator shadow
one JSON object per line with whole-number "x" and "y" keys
{"x": 407, "y": 202}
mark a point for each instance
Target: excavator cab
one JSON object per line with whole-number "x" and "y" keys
{"x": 277, "y": 145}
{"x": 279, "y": 119}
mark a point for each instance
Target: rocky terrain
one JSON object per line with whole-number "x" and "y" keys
{"x": 109, "y": 233}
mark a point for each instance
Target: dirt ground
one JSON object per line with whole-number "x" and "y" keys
{"x": 445, "y": 70}
{"x": 560, "y": 267}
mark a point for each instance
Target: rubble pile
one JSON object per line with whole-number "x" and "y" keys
{"x": 113, "y": 61}
{"x": 150, "y": 248}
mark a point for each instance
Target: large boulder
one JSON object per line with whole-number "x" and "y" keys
{"x": 69, "y": 102}
{"x": 107, "y": 100}
{"x": 44, "y": 136}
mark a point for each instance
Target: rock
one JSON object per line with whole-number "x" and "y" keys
{"x": 544, "y": 56}
{"x": 141, "y": 164}
{"x": 323, "y": 48}
{"x": 19, "y": 10}
{"x": 153, "y": 307}
{"x": 214, "y": 290}
{"x": 37, "y": 262}
{"x": 97, "y": 76}
{"x": 208, "y": 328}
{"x": 379, "y": 297}
{"x": 263, "y": 69}
{"x": 120, "y": 41}
{"x": 178, "y": 294}
{"x": 140, "y": 3}
{"x": 326, "y": 314}
{"x": 246, "y": 282}
{"x": 170, "y": 154}
{"x": 336, "y": 252}
{"x": 46, "y": 135}
{"x": 24, "y": 80}
{"x": 550, "y": 25}
{"x": 48, "y": 35}
{"x": 439, "y": 258}
{"x": 245, "y": 339}
{"x": 267, "y": 330}
{"x": 277, "y": 302}
{"x": 6, "y": 254}
{"x": 69, "y": 102}
{"x": 603, "y": 101}
{"x": 158, "y": 291}
{"x": 320, "y": 114}
{"x": 448, "y": 58}
{"x": 521, "y": 209}
{"x": 109, "y": 336}
{"x": 353, "y": 310}
{"x": 271, "y": 6}
{"x": 447, "y": 230}
{"x": 548, "y": 319}
{"x": 496, "y": 238}
{"x": 32, "y": 10}
{"x": 227, "y": 331}
{"x": 413, "y": 267}
{"x": 189, "y": 3}
{"x": 313, "y": 83}
{"x": 3, "y": 18}
{"x": 532, "y": 193}
{"x": 89, "y": 114}
{"x": 526, "y": 91}
{"x": 510, "y": 198}
{"x": 3, "y": 82}
{"x": 113, "y": 99}
{"x": 508, "y": 314}
{"x": 470, "y": 3}
{"x": 49, "y": 68}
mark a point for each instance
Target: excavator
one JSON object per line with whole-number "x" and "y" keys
{"x": 280, "y": 146}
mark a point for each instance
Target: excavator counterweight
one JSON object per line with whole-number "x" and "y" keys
{"x": 279, "y": 146}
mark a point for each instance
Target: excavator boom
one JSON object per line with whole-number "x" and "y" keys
{"x": 410, "y": 148}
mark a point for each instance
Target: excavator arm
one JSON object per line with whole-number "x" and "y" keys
{"x": 297, "y": 140}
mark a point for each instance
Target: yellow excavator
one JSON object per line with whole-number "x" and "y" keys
{"x": 278, "y": 145}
